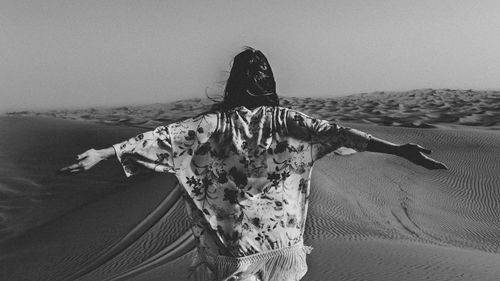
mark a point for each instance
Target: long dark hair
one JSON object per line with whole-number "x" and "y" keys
{"x": 251, "y": 82}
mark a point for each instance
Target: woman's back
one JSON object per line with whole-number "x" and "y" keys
{"x": 246, "y": 172}
{"x": 247, "y": 179}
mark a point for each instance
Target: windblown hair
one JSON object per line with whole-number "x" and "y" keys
{"x": 251, "y": 82}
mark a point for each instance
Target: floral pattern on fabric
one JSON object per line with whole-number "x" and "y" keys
{"x": 246, "y": 173}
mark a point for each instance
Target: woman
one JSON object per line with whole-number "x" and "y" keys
{"x": 246, "y": 169}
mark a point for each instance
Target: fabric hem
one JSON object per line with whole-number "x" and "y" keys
{"x": 285, "y": 264}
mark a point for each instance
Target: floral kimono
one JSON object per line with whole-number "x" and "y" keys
{"x": 246, "y": 175}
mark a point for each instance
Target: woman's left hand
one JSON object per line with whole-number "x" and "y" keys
{"x": 415, "y": 153}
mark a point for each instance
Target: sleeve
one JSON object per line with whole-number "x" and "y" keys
{"x": 190, "y": 139}
{"x": 147, "y": 151}
{"x": 324, "y": 135}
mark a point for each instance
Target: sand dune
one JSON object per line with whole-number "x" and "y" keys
{"x": 371, "y": 216}
{"x": 423, "y": 108}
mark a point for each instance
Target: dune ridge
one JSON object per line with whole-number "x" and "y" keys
{"x": 421, "y": 108}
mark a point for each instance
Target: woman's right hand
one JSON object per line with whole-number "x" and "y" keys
{"x": 416, "y": 154}
{"x": 87, "y": 160}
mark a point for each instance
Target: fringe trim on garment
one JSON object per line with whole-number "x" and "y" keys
{"x": 286, "y": 264}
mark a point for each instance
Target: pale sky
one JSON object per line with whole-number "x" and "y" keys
{"x": 67, "y": 54}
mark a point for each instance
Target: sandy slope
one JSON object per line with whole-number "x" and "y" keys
{"x": 371, "y": 216}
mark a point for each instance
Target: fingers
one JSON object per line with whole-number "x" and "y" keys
{"x": 432, "y": 164}
{"x": 416, "y": 154}
{"x": 423, "y": 149}
{"x": 410, "y": 148}
{"x": 72, "y": 169}
{"x": 81, "y": 156}
{"x": 439, "y": 166}
{"x": 86, "y": 161}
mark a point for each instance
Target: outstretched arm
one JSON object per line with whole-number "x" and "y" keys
{"x": 410, "y": 151}
{"x": 152, "y": 150}
{"x": 331, "y": 136}
{"x": 88, "y": 159}
{"x": 149, "y": 151}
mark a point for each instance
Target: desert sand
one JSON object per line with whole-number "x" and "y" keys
{"x": 424, "y": 108}
{"x": 371, "y": 216}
